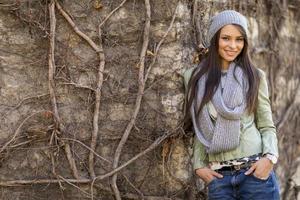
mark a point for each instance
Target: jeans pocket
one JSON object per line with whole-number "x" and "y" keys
{"x": 255, "y": 188}
{"x": 212, "y": 181}
{"x": 259, "y": 179}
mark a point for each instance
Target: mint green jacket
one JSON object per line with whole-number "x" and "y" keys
{"x": 257, "y": 131}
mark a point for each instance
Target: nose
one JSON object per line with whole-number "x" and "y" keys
{"x": 232, "y": 44}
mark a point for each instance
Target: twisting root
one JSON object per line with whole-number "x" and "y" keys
{"x": 51, "y": 85}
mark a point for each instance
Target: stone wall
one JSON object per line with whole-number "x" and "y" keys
{"x": 165, "y": 172}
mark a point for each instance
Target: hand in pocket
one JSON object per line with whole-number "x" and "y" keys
{"x": 207, "y": 175}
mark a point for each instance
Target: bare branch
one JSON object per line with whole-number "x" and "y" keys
{"x": 78, "y": 86}
{"x": 72, "y": 182}
{"x": 99, "y": 51}
{"x": 76, "y": 29}
{"x": 159, "y": 44}
{"x": 71, "y": 160}
{"x": 19, "y": 129}
{"x": 111, "y": 13}
{"x": 51, "y": 63}
{"x": 157, "y": 142}
{"x": 51, "y": 86}
{"x": 150, "y": 148}
{"x": 134, "y": 187}
{"x": 97, "y": 106}
{"x": 22, "y": 101}
{"x": 102, "y": 158}
{"x": 138, "y": 99}
{"x": 8, "y": 5}
{"x": 20, "y": 144}
{"x": 40, "y": 181}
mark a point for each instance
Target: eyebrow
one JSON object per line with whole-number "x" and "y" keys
{"x": 224, "y": 35}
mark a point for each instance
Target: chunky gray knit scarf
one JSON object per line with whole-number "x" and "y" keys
{"x": 224, "y": 134}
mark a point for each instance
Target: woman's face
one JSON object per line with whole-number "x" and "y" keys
{"x": 231, "y": 43}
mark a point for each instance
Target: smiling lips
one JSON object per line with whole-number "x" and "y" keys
{"x": 231, "y": 53}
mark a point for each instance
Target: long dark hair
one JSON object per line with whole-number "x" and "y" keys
{"x": 211, "y": 64}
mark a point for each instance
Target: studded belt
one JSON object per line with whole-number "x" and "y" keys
{"x": 235, "y": 167}
{"x": 235, "y": 164}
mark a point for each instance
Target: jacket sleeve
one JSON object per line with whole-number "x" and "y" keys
{"x": 263, "y": 117}
{"x": 200, "y": 157}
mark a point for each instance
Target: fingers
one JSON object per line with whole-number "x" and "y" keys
{"x": 249, "y": 171}
{"x": 262, "y": 169}
{"x": 207, "y": 175}
{"x": 216, "y": 174}
{"x": 261, "y": 177}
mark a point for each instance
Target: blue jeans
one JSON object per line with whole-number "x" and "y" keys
{"x": 236, "y": 185}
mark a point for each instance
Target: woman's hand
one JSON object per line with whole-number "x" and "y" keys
{"x": 261, "y": 168}
{"x": 207, "y": 175}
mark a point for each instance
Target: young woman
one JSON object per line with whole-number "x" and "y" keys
{"x": 227, "y": 102}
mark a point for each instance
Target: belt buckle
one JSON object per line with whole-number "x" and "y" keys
{"x": 237, "y": 167}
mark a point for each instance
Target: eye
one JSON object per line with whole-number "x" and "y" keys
{"x": 240, "y": 39}
{"x": 225, "y": 38}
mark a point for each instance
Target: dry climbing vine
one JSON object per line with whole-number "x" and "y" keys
{"x": 58, "y": 137}
{"x": 58, "y": 132}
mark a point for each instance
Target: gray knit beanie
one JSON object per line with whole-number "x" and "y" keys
{"x": 224, "y": 18}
